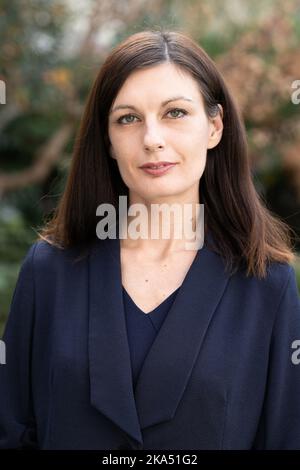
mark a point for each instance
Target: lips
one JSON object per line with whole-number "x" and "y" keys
{"x": 158, "y": 169}
{"x": 157, "y": 165}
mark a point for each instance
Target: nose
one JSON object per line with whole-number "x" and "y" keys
{"x": 154, "y": 147}
{"x": 153, "y": 139}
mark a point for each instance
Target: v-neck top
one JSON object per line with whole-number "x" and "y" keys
{"x": 142, "y": 328}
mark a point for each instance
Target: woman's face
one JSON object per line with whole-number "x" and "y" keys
{"x": 145, "y": 130}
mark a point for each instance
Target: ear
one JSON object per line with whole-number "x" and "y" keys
{"x": 216, "y": 129}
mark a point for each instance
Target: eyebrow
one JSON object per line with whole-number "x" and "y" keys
{"x": 129, "y": 106}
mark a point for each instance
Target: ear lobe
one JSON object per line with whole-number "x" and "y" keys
{"x": 215, "y": 138}
{"x": 217, "y": 129}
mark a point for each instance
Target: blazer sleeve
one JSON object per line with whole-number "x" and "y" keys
{"x": 279, "y": 426}
{"x": 17, "y": 423}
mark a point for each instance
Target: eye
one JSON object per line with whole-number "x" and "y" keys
{"x": 173, "y": 110}
{"x": 177, "y": 110}
{"x": 120, "y": 120}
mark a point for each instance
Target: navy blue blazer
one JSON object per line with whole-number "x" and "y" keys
{"x": 219, "y": 374}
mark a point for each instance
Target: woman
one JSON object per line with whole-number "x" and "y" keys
{"x": 140, "y": 343}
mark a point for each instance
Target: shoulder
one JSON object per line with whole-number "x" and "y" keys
{"x": 279, "y": 275}
{"x": 41, "y": 253}
{"x": 281, "y": 282}
{"x": 278, "y": 289}
{"x": 43, "y": 257}
{"x": 265, "y": 294}
{"x": 276, "y": 279}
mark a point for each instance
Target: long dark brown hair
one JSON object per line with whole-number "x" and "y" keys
{"x": 244, "y": 231}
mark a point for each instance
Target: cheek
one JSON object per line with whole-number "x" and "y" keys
{"x": 197, "y": 166}
{"x": 199, "y": 137}
{"x": 194, "y": 138}
{"x": 194, "y": 148}
{"x": 126, "y": 164}
{"x": 123, "y": 151}
{"x": 195, "y": 155}
{"x": 125, "y": 148}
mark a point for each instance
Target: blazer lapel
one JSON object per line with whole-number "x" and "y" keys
{"x": 167, "y": 367}
{"x": 109, "y": 355}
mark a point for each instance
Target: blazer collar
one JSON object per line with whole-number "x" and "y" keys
{"x": 165, "y": 372}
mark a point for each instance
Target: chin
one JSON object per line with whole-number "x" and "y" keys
{"x": 162, "y": 194}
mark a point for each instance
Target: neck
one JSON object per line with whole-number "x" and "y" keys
{"x": 163, "y": 228}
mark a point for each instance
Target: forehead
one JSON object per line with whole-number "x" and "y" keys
{"x": 158, "y": 82}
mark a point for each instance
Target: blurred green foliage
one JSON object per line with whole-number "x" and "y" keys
{"x": 15, "y": 239}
